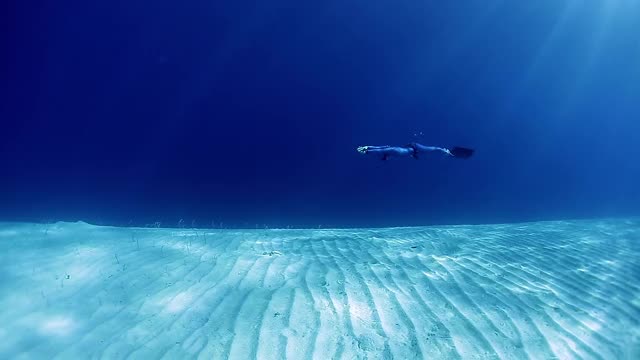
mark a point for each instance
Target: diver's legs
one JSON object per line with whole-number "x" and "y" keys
{"x": 420, "y": 148}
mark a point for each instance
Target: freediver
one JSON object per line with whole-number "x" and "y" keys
{"x": 413, "y": 150}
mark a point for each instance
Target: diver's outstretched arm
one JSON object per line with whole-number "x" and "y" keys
{"x": 386, "y": 151}
{"x": 367, "y": 148}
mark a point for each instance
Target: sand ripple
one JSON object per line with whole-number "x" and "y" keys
{"x": 566, "y": 289}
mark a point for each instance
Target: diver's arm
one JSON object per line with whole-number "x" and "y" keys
{"x": 376, "y": 150}
{"x": 386, "y": 151}
{"x": 372, "y": 148}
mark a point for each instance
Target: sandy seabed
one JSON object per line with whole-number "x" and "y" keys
{"x": 546, "y": 290}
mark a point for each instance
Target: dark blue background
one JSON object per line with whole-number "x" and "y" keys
{"x": 249, "y": 112}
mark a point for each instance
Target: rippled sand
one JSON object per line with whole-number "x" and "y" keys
{"x": 566, "y": 289}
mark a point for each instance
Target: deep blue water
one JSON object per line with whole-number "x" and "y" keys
{"x": 249, "y": 112}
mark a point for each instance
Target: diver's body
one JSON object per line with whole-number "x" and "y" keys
{"x": 387, "y": 151}
{"x": 413, "y": 150}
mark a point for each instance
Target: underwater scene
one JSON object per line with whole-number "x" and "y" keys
{"x": 357, "y": 179}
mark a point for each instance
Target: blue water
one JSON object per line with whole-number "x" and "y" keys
{"x": 248, "y": 113}
{"x": 149, "y": 149}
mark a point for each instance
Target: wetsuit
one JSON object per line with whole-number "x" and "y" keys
{"x": 413, "y": 150}
{"x": 387, "y": 151}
